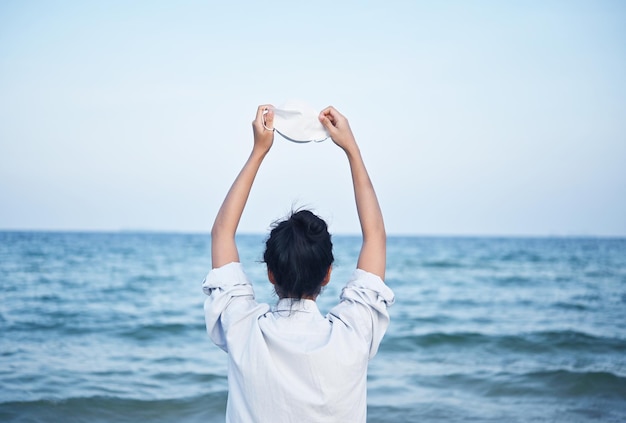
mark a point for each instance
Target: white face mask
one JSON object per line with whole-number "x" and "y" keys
{"x": 297, "y": 122}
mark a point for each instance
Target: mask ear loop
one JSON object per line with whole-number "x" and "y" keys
{"x": 266, "y": 111}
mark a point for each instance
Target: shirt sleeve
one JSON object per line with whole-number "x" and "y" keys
{"x": 363, "y": 307}
{"x": 230, "y": 299}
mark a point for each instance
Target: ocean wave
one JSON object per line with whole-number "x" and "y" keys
{"x": 442, "y": 264}
{"x": 533, "y": 342}
{"x": 208, "y": 407}
{"x": 159, "y": 330}
{"x": 524, "y": 257}
{"x": 515, "y": 280}
{"x": 71, "y": 324}
{"x": 557, "y": 383}
{"x": 570, "y": 306}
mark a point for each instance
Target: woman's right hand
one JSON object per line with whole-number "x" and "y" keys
{"x": 372, "y": 257}
{"x": 338, "y": 127}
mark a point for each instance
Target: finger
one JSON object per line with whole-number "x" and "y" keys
{"x": 328, "y": 112}
{"x": 327, "y": 123}
{"x": 259, "y": 113}
{"x": 261, "y": 110}
{"x": 330, "y": 123}
{"x": 268, "y": 120}
{"x": 335, "y": 117}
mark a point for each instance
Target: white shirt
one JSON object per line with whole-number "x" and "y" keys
{"x": 290, "y": 363}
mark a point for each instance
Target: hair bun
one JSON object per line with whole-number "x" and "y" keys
{"x": 299, "y": 252}
{"x": 312, "y": 225}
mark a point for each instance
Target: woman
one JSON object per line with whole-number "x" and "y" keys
{"x": 289, "y": 363}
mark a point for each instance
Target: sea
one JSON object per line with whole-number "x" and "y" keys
{"x": 109, "y": 327}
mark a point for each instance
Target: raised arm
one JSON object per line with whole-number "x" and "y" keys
{"x": 223, "y": 246}
{"x": 372, "y": 257}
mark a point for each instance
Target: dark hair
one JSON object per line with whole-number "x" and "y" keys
{"x": 299, "y": 252}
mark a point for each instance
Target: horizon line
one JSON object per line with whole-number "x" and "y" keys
{"x": 341, "y": 234}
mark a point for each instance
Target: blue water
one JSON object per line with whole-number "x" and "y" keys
{"x": 108, "y": 327}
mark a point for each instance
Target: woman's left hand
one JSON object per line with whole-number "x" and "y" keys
{"x": 263, "y": 128}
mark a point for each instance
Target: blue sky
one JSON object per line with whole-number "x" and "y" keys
{"x": 474, "y": 118}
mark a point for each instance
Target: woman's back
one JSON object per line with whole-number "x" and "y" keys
{"x": 291, "y": 363}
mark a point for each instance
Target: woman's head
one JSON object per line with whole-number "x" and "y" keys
{"x": 298, "y": 254}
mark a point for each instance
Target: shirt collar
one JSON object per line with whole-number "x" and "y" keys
{"x": 286, "y": 306}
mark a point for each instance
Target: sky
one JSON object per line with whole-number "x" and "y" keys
{"x": 473, "y": 118}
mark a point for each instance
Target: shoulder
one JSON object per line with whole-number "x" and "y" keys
{"x": 363, "y": 308}
{"x": 225, "y": 277}
{"x": 230, "y": 307}
{"x": 364, "y": 301}
{"x": 229, "y": 292}
{"x": 368, "y": 288}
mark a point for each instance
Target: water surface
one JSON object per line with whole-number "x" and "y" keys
{"x": 108, "y": 327}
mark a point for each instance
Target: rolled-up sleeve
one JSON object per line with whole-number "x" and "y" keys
{"x": 363, "y": 307}
{"x": 228, "y": 291}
